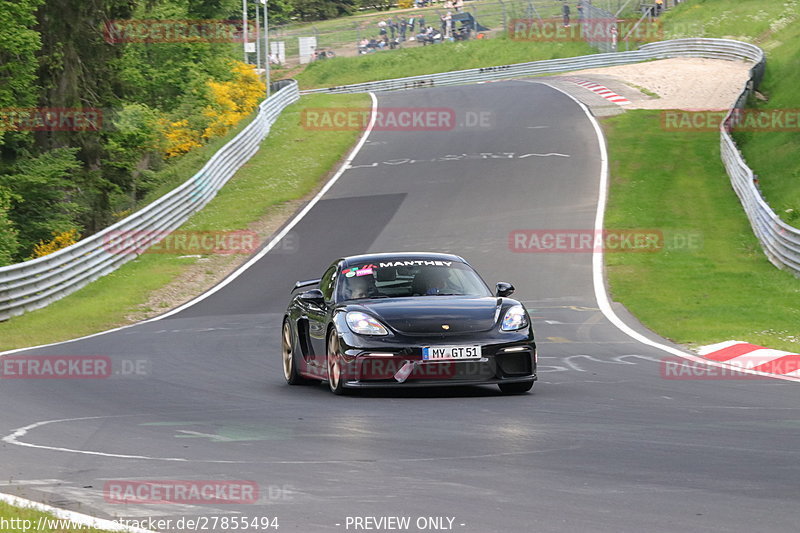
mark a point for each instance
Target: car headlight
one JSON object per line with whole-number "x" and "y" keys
{"x": 363, "y": 324}
{"x": 515, "y": 319}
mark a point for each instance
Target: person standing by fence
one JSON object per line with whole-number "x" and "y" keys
{"x": 447, "y": 24}
{"x": 565, "y": 12}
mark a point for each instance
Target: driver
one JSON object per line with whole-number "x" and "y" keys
{"x": 432, "y": 281}
{"x": 361, "y": 287}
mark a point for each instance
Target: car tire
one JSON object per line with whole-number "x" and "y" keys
{"x": 333, "y": 363}
{"x": 288, "y": 356}
{"x": 516, "y": 388}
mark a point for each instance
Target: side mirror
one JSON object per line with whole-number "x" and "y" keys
{"x": 313, "y": 296}
{"x": 504, "y": 289}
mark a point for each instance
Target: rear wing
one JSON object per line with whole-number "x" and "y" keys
{"x": 307, "y": 283}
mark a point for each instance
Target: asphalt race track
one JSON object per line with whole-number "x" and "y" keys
{"x": 603, "y": 444}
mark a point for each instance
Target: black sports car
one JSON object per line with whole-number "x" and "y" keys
{"x": 406, "y": 319}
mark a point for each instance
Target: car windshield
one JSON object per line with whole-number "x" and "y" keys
{"x": 402, "y": 278}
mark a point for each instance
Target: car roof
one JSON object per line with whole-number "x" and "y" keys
{"x": 400, "y": 256}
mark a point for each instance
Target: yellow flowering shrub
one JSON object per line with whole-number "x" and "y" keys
{"x": 231, "y": 101}
{"x": 59, "y": 241}
{"x": 180, "y": 138}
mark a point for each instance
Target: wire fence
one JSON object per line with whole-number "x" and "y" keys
{"x": 347, "y": 36}
{"x": 342, "y": 36}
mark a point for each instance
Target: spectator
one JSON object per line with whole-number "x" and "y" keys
{"x": 402, "y": 25}
{"x": 659, "y": 7}
{"x": 458, "y": 5}
{"x": 580, "y": 9}
{"x": 565, "y": 12}
{"x": 447, "y": 25}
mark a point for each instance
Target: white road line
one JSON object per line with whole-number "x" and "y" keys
{"x": 597, "y": 259}
{"x": 238, "y": 272}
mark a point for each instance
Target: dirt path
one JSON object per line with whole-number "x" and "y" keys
{"x": 679, "y": 83}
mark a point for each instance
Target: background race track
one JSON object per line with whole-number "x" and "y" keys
{"x": 604, "y": 443}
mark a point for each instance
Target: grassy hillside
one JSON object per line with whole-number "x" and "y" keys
{"x": 723, "y": 287}
{"x": 443, "y": 57}
{"x": 711, "y": 282}
{"x": 775, "y": 26}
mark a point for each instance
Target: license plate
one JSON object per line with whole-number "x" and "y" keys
{"x": 436, "y": 353}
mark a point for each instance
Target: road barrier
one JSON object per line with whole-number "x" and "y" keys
{"x": 36, "y": 283}
{"x": 704, "y": 48}
{"x": 781, "y": 242}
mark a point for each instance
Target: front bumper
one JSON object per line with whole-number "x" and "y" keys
{"x": 393, "y": 362}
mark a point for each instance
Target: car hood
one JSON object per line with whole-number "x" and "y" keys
{"x": 428, "y": 314}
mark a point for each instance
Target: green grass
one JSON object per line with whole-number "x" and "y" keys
{"x": 443, "y": 57}
{"x": 175, "y": 172}
{"x": 773, "y": 25}
{"x": 725, "y": 288}
{"x": 774, "y": 154}
{"x": 53, "y": 524}
{"x": 291, "y": 162}
{"x": 744, "y": 20}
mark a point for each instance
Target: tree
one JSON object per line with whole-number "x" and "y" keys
{"x": 9, "y": 243}
{"x": 280, "y": 11}
{"x": 44, "y": 199}
{"x": 18, "y": 45}
{"x": 324, "y": 9}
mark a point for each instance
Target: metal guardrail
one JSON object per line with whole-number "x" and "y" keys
{"x": 704, "y": 48}
{"x": 781, "y": 241}
{"x": 36, "y": 283}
